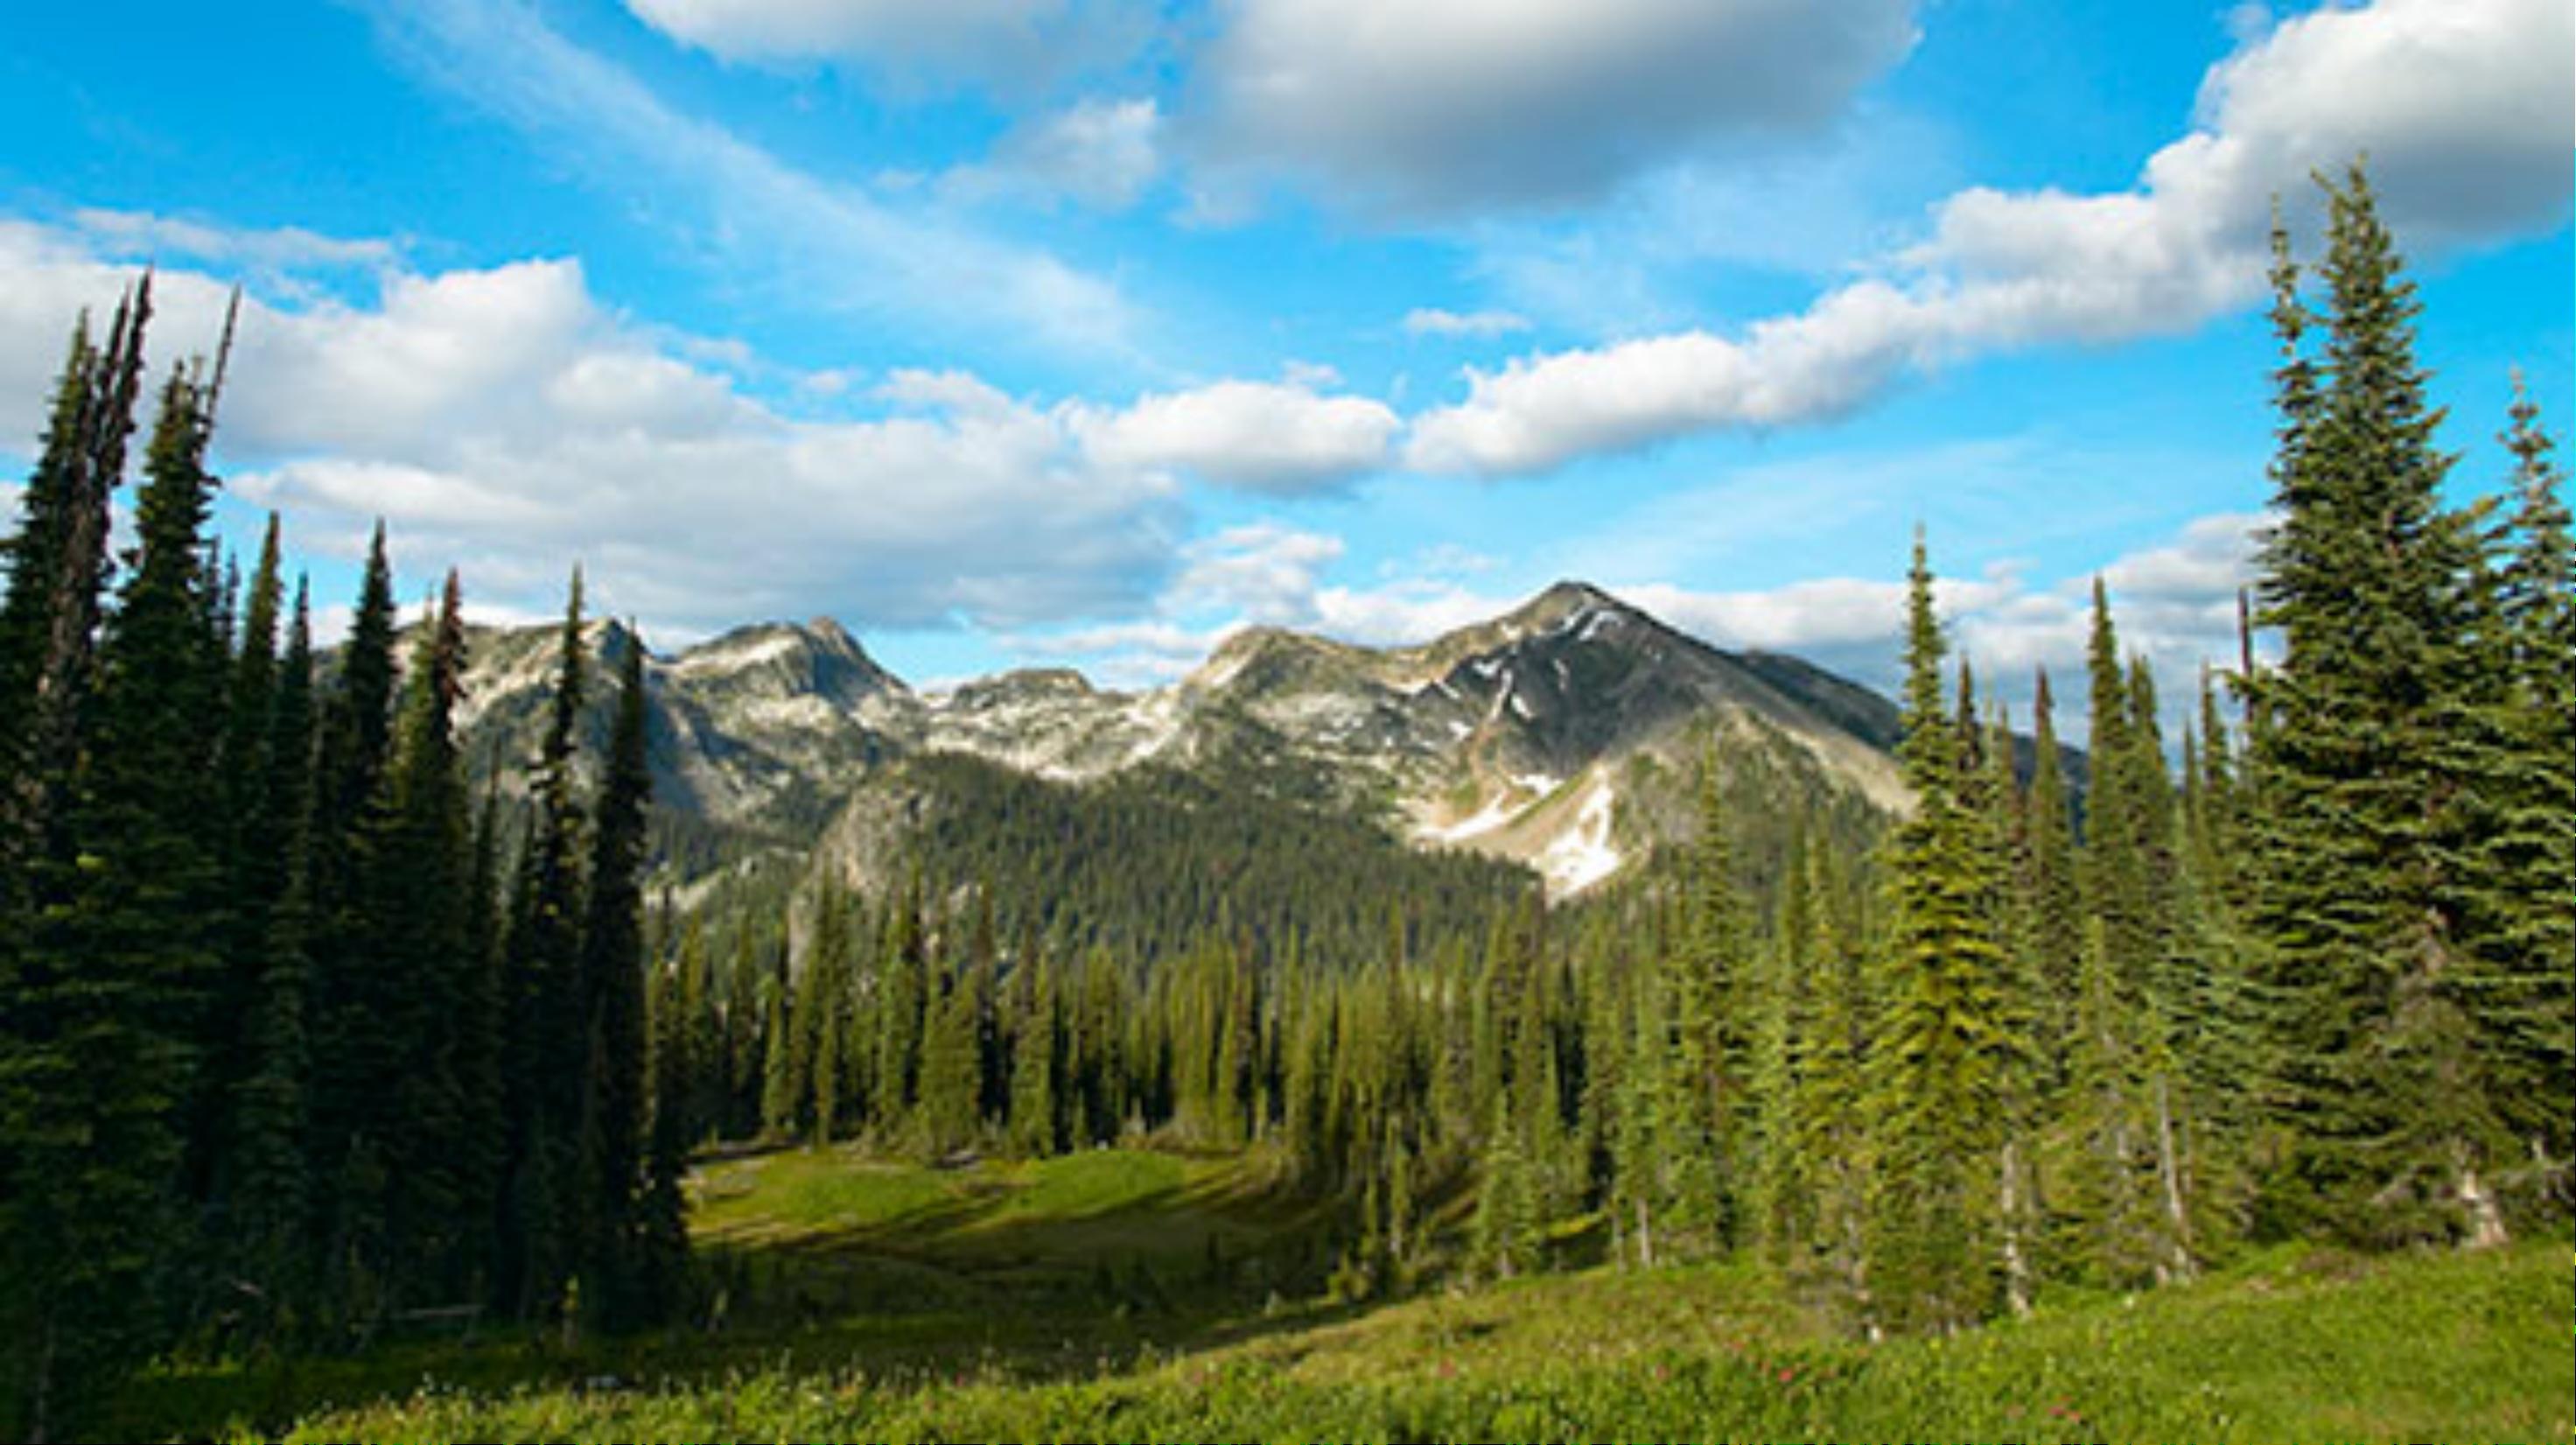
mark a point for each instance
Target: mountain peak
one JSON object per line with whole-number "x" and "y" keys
{"x": 1563, "y": 605}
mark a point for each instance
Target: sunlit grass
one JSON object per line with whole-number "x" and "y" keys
{"x": 2434, "y": 1347}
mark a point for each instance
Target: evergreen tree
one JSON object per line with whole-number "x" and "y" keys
{"x": 546, "y": 1080}
{"x": 263, "y": 1181}
{"x": 611, "y": 977}
{"x": 58, "y": 574}
{"x": 254, "y": 860}
{"x": 410, "y": 1224}
{"x": 947, "y": 1108}
{"x": 2051, "y": 933}
{"x": 110, "y": 995}
{"x": 1832, "y": 1117}
{"x": 1936, "y": 1090}
{"x": 1507, "y": 1223}
{"x": 2386, "y": 1088}
{"x": 2521, "y": 865}
{"x": 678, "y": 1066}
{"x": 1033, "y": 1059}
{"x": 1711, "y": 1006}
{"x": 58, "y": 568}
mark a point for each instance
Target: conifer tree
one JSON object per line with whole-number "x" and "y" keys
{"x": 677, "y": 1088}
{"x": 905, "y": 995}
{"x": 779, "y": 1084}
{"x": 1507, "y": 1220}
{"x": 946, "y": 1110}
{"x": 2522, "y": 863}
{"x": 1832, "y": 1115}
{"x": 58, "y": 574}
{"x": 2051, "y": 917}
{"x": 1936, "y": 1090}
{"x": 254, "y": 863}
{"x": 356, "y": 737}
{"x": 1033, "y": 1059}
{"x": 109, "y": 999}
{"x": 1711, "y": 1005}
{"x": 611, "y": 977}
{"x": 549, "y": 1033}
{"x": 415, "y": 934}
{"x": 58, "y": 567}
{"x": 2385, "y": 1087}
{"x": 263, "y": 1180}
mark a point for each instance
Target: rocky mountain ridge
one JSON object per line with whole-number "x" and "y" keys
{"x": 1551, "y": 735}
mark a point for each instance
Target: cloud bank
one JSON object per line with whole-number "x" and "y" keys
{"x": 1439, "y": 107}
{"x": 2462, "y": 107}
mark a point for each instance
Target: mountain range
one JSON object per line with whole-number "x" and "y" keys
{"x": 1561, "y": 735}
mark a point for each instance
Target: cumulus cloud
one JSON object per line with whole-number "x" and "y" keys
{"x": 1469, "y": 325}
{"x": 826, "y": 243}
{"x": 1441, "y": 106}
{"x": 1265, "y": 574}
{"x": 2174, "y": 603}
{"x": 505, "y": 421}
{"x": 1281, "y": 438}
{"x": 1262, "y": 573}
{"x": 2461, "y": 106}
{"x": 1098, "y": 153}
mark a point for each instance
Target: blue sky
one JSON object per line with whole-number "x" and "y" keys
{"x": 1048, "y": 331}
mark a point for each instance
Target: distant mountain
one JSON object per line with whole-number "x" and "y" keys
{"x": 1560, "y": 735}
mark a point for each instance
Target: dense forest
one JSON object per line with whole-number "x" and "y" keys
{"x": 294, "y": 1042}
{"x": 285, "y": 1055}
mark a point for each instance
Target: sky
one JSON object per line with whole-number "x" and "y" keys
{"x": 1049, "y": 332}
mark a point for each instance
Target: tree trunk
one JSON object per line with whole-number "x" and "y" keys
{"x": 2178, "y": 1263}
{"x": 2486, "y": 1219}
{"x": 2016, "y": 1260}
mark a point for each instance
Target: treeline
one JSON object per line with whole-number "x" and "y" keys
{"x": 1141, "y": 863}
{"x": 2313, "y": 982}
{"x": 289, "y": 1048}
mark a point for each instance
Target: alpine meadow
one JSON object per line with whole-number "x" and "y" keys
{"x": 2117, "y": 985}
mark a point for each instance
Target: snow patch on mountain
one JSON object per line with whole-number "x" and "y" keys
{"x": 1584, "y": 854}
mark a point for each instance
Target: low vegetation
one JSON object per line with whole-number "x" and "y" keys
{"x": 1082, "y": 1299}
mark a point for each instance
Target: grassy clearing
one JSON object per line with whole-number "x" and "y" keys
{"x": 2442, "y": 1348}
{"x": 1064, "y": 1269}
{"x": 1080, "y": 1299}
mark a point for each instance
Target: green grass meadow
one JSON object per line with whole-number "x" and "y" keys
{"x": 1143, "y": 1296}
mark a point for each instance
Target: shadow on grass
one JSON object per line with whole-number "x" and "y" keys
{"x": 963, "y": 1285}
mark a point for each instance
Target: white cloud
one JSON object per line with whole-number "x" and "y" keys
{"x": 283, "y": 248}
{"x": 1143, "y": 654}
{"x": 2461, "y": 105}
{"x": 1010, "y": 43}
{"x": 2173, "y": 603}
{"x": 1440, "y": 106}
{"x": 820, "y": 242}
{"x": 1263, "y": 573}
{"x": 1098, "y": 153}
{"x": 503, "y": 421}
{"x": 1471, "y": 325}
{"x": 1274, "y": 437}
